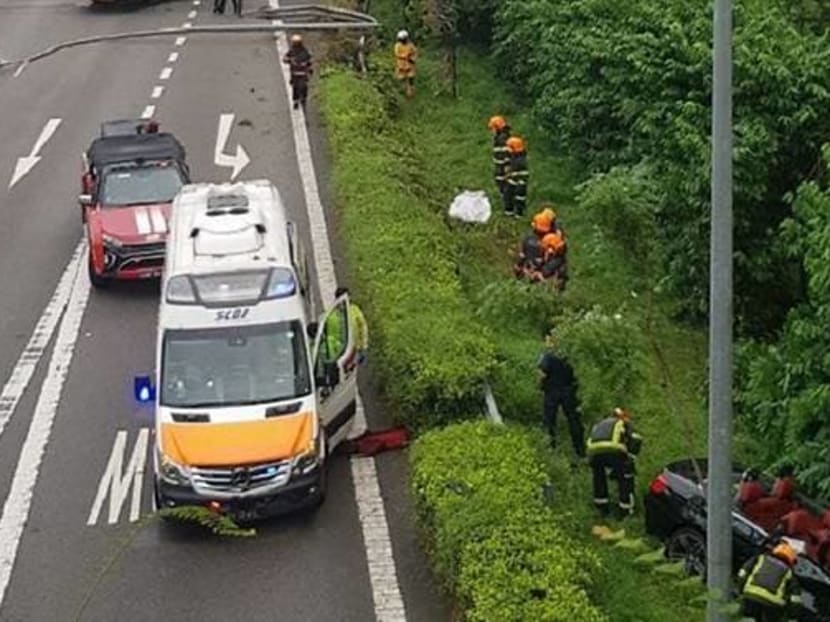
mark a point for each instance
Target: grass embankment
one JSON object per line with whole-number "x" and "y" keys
{"x": 407, "y": 159}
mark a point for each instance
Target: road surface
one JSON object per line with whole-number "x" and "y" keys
{"x": 68, "y": 353}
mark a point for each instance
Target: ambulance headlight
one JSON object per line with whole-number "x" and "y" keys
{"x": 281, "y": 283}
{"x": 180, "y": 290}
{"x": 308, "y": 462}
{"x": 170, "y": 471}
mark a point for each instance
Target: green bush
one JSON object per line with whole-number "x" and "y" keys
{"x": 608, "y": 354}
{"x": 785, "y": 389}
{"x": 624, "y": 204}
{"x": 493, "y": 540}
{"x": 433, "y": 356}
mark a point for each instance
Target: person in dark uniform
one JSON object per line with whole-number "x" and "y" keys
{"x": 298, "y": 59}
{"x": 612, "y": 446}
{"x": 559, "y": 385}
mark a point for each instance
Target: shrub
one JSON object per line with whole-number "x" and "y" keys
{"x": 493, "y": 540}
{"x": 608, "y": 356}
{"x": 433, "y": 356}
{"x": 785, "y": 393}
{"x": 624, "y": 204}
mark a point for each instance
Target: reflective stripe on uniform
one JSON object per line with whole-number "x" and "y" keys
{"x": 601, "y": 501}
{"x": 768, "y": 581}
{"x": 607, "y": 437}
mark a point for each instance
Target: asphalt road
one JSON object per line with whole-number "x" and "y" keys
{"x": 60, "y": 567}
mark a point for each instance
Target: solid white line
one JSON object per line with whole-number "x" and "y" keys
{"x": 20, "y": 69}
{"x": 19, "y": 502}
{"x": 180, "y": 41}
{"x": 157, "y": 91}
{"x": 386, "y": 593}
{"x": 24, "y": 369}
{"x": 148, "y": 113}
{"x": 191, "y": 15}
{"x": 166, "y": 73}
{"x": 174, "y": 56}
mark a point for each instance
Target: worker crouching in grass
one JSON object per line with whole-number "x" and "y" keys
{"x": 612, "y": 447}
{"x": 543, "y": 256}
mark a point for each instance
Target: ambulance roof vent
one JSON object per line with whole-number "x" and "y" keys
{"x": 228, "y": 226}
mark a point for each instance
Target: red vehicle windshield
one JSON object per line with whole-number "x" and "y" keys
{"x": 138, "y": 185}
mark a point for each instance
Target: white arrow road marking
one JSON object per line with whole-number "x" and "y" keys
{"x": 27, "y": 163}
{"x": 33, "y": 352}
{"x": 238, "y": 161}
{"x": 116, "y": 481}
{"x": 19, "y": 502}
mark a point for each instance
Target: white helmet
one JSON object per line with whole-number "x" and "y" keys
{"x": 403, "y": 35}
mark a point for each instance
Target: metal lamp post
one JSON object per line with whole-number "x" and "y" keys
{"x": 719, "y": 489}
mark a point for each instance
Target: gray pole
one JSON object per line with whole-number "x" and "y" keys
{"x": 719, "y": 490}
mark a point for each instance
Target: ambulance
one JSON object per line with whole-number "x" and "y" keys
{"x": 251, "y": 396}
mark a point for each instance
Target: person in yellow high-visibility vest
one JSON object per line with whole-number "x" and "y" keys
{"x": 335, "y": 337}
{"x": 767, "y": 585}
{"x": 405, "y": 56}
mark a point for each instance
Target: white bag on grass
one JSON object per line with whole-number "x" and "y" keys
{"x": 471, "y": 206}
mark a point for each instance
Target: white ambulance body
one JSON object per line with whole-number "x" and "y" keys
{"x": 251, "y": 395}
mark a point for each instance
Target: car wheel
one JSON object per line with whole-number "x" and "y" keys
{"x": 688, "y": 545}
{"x": 96, "y": 280}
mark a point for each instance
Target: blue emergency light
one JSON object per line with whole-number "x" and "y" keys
{"x": 143, "y": 389}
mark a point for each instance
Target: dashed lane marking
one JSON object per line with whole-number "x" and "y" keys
{"x": 191, "y": 15}
{"x": 166, "y": 73}
{"x": 180, "y": 41}
{"x": 148, "y": 113}
{"x": 19, "y": 502}
{"x": 174, "y": 56}
{"x": 386, "y": 593}
{"x": 157, "y": 92}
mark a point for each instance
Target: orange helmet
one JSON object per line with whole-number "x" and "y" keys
{"x": 547, "y": 208}
{"x": 621, "y": 413}
{"x": 785, "y": 553}
{"x": 553, "y": 242}
{"x": 496, "y": 123}
{"x": 541, "y": 222}
{"x": 515, "y": 144}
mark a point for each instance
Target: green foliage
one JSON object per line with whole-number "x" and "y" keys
{"x": 624, "y": 204}
{"x": 432, "y": 354}
{"x": 493, "y": 539}
{"x": 219, "y": 524}
{"x": 629, "y": 82}
{"x": 608, "y": 356}
{"x": 785, "y": 393}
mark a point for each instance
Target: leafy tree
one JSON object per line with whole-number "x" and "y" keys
{"x": 785, "y": 393}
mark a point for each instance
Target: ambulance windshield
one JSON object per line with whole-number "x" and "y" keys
{"x": 234, "y": 366}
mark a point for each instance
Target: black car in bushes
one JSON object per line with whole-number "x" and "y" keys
{"x": 675, "y": 508}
